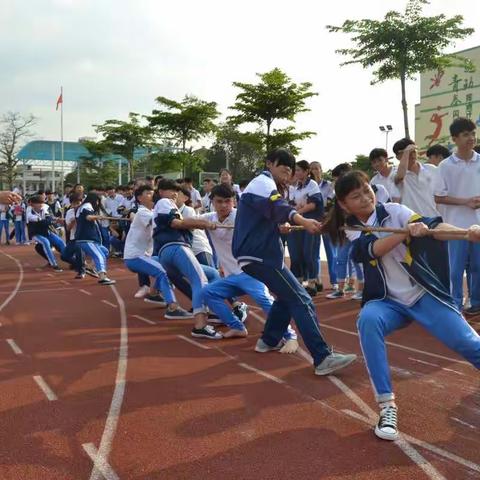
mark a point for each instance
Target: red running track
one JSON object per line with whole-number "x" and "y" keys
{"x": 98, "y": 385}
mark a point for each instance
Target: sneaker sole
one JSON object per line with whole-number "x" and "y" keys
{"x": 334, "y": 369}
{"x": 107, "y": 283}
{"x": 386, "y": 436}
{"x": 173, "y": 317}
{"x": 201, "y": 335}
{"x": 160, "y": 304}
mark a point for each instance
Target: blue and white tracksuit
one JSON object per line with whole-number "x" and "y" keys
{"x": 173, "y": 248}
{"x": 304, "y": 247}
{"x": 4, "y": 222}
{"x": 89, "y": 238}
{"x": 39, "y": 224}
{"x": 138, "y": 253}
{"x": 409, "y": 283}
{"x": 235, "y": 282}
{"x": 259, "y": 251}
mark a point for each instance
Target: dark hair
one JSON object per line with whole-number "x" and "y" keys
{"x": 142, "y": 188}
{"x": 477, "y": 148}
{"x": 224, "y": 170}
{"x": 75, "y": 197}
{"x": 41, "y": 192}
{"x": 158, "y": 178}
{"x": 460, "y": 125}
{"x": 187, "y": 180}
{"x": 94, "y": 199}
{"x": 35, "y": 199}
{"x": 438, "y": 150}
{"x": 68, "y": 185}
{"x": 109, "y": 187}
{"x": 179, "y": 180}
{"x": 208, "y": 179}
{"x": 49, "y": 192}
{"x": 243, "y": 183}
{"x": 304, "y": 165}
{"x": 223, "y": 191}
{"x": 78, "y": 185}
{"x": 377, "y": 153}
{"x": 186, "y": 192}
{"x": 341, "y": 170}
{"x": 149, "y": 177}
{"x": 336, "y": 216}
{"x": 282, "y": 156}
{"x": 402, "y": 145}
{"x": 166, "y": 184}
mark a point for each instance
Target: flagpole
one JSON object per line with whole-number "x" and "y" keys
{"x": 61, "y": 135}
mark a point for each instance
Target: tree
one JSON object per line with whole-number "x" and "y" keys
{"x": 362, "y": 162}
{"x": 244, "y": 150}
{"x": 186, "y": 121}
{"x": 123, "y": 137}
{"x": 14, "y": 130}
{"x": 403, "y": 45}
{"x": 275, "y": 97}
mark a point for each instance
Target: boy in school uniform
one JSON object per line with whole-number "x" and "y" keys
{"x": 235, "y": 282}
{"x": 385, "y": 175}
{"x": 259, "y": 252}
{"x": 173, "y": 246}
{"x": 457, "y": 189}
{"x": 39, "y": 221}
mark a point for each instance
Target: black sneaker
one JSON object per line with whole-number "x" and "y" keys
{"x": 57, "y": 269}
{"x": 91, "y": 271}
{"x": 206, "y": 332}
{"x": 241, "y": 311}
{"x": 312, "y": 291}
{"x": 106, "y": 281}
{"x": 178, "y": 313}
{"x": 157, "y": 299}
{"x": 79, "y": 276}
{"x": 319, "y": 287}
{"x": 472, "y": 311}
{"x": 386, "y": 427}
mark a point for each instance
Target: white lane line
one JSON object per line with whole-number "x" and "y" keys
{"x": 45, "y": 388}
{"x": 143, "y": 319}
{"x": 453, "y": 371}
{"x": 65, "y": 282}
{"x": 261, "y": 373}
{"x": 16, "y": 349}
{"x": 427, "y": 446}
{"x": 455, "y": 419}
{"x": 109, "y": 303}
{"x": 404, "y": 347}
{"x": 423, "y": 362}
{"x": 100, "y": 463}
{"x": 28, "y": 290}
{"x": 407, "y": 449}
{"x": 86, "y": 292}
{"x": 19, "y": 281}
{"x": 118, "y": 394}
{"x": 50, "y": 275}
{"x": 193, "y": 342}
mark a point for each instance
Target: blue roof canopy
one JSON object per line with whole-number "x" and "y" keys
{"x": 72, "y": 152}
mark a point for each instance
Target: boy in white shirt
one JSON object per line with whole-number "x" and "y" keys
{"x": 414, "y": 180}
{"x": 457, "y": 188}
{"x": 385, "y": 175}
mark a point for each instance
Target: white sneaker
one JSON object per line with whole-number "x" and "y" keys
{"x": 357, "y": 296}
{"x": 386, "y": 427}
{"x": 334, "y": 362}
{"x": 142, "y": 292}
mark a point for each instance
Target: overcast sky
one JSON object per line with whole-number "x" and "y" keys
{"x": 117, "y": 56}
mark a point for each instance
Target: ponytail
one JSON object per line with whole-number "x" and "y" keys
{"x": 334, "y": 223}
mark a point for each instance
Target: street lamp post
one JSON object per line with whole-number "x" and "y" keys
{"x": 386, "y": 129}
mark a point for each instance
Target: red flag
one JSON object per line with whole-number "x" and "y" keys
{"x": 59, "y": 101}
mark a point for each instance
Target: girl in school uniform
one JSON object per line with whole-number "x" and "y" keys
{"x": 304, "y": 247}
{"x": 89, "y": 238}
{"x": 406, "y": 280}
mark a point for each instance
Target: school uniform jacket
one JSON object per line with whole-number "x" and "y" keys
{"x": 39, "y": 223}
{"x": 426, "y": 260}
{"x": 256, "y": 237}
{"x": 86, "y": 230}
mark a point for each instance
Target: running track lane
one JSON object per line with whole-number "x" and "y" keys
{"x": 189, "y": 410}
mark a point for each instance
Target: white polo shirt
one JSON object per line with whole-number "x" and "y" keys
{"x": 299, "y": 194}
{"x": 200, "y": 241}
{"x": 112, "y": 204}
{"x": 388, "y": 182}
{"x": 69, "y": 217}
{"x": 381, "y": 194}
{"x": 416, "y": 191}
{"x": 461, "y": 179}
{"x": 327, "y": 191}
{"x": 400, "y": 286}
{"x": 222, "y": 242}
{"x": 139, "y": 240}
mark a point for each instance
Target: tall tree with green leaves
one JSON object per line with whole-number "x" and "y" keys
{"x": 403, "y": 45}
{"x": 14, "y": 131}
{"x": 123, "y": 137}
{"x": 274, "y": 97}
{"x": 182, "y": 122}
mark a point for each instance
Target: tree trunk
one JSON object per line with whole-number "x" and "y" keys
{"x": 267, "y": 140}
{"x": 404, "y": 106}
